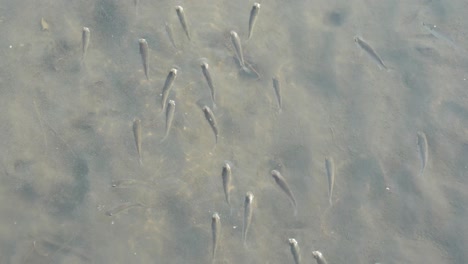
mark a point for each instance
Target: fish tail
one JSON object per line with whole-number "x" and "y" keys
{"x": 82, "y": 61}
{"x": 165, "y": 136}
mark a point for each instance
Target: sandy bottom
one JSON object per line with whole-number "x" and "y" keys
{"x": 72, "y": 189}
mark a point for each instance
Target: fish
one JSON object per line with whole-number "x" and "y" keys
{"x": 279, "y": 179}
{"x": 211, "y": 120}
{"x": 137, "y": 135}
{"x": 206, "y": 73}
{"x": 127, "y": 183}
{"x": 144, "y": 55}
{"x": 276, "y": 86}
{"x": 227, "y": 177}
{"x": 123, "y": 183}
{"x": 423, "y": 150}
{"x": 183, "y": 22}
{"x": 253, "y": 17}
{"x": 246, "y": 68}
{"x": 49, "y": 247}
{"x": 169, "y": 117}
{"x": 167, "y": 86}
{"x": 122, "y": 207}
{"x": 248, "y": 208}
{"x": 295, "y": 250}
{"x": 318, "y": 256}
{"x": 372, "y": 53}
{"x": 137, "y": 4}
{"x": 44, "y": 25}
{"x": 170, "y": 35}
{"x": 434, "y": 32}
{"x": 85, "y": 36}
{"x": 238, "y": 47}
{"x": 215, "y": 229}
{"x": 330, "y": 167}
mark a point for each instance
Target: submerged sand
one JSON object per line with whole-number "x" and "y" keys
{"x": 66, "y": 130}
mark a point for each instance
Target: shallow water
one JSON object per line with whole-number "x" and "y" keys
{"x": 66, "y": 130}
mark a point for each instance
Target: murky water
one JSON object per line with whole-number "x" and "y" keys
{"x": 69, "y": 156}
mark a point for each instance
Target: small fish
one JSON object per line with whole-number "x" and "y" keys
{"x": 170, "y": 35}
{"x": 127, "y": 183}
{"x": 279, "y": 179}
{"x": 434, "y": 32}
{"x": 318, "y": 256}
{"x": 137, "y": 135}
{"x": 227, "y": 176}
{"x": 423, "y": 150}
{"x": 295, "y": 250}
{"x": 206, "y": 73}
{"x": 121, "y": 208}
{"x": 169, "y": 117}
{"x": 249, "y": 70}
{"x": 47, "y": 247}
{"x": 372, "y": 53}
{"x": 211, "y": 120}
{"x": 276, "y": 86}
{"x": 246, "y": 67}
{"x": 144, "y": 55}
{"x": 44, "y": 25}
{"x": 137, "y": 4}
{"x": 215, "y": 228}
{"x": 123, "y": 183}
{"x": 183, "y": 22}
{"x": 238, "y": 47}
{"x": 248, "y": 207}
{"x": 85, "y": 36}
{"x": 253, "y": 17}
{"x": 167, "y": 86}
{"x": 330, "y": 167}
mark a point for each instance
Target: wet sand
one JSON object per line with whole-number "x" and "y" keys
{"x": 66, "y": 130}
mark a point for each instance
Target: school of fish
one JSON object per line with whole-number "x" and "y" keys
{"x": 168, "y": 105}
